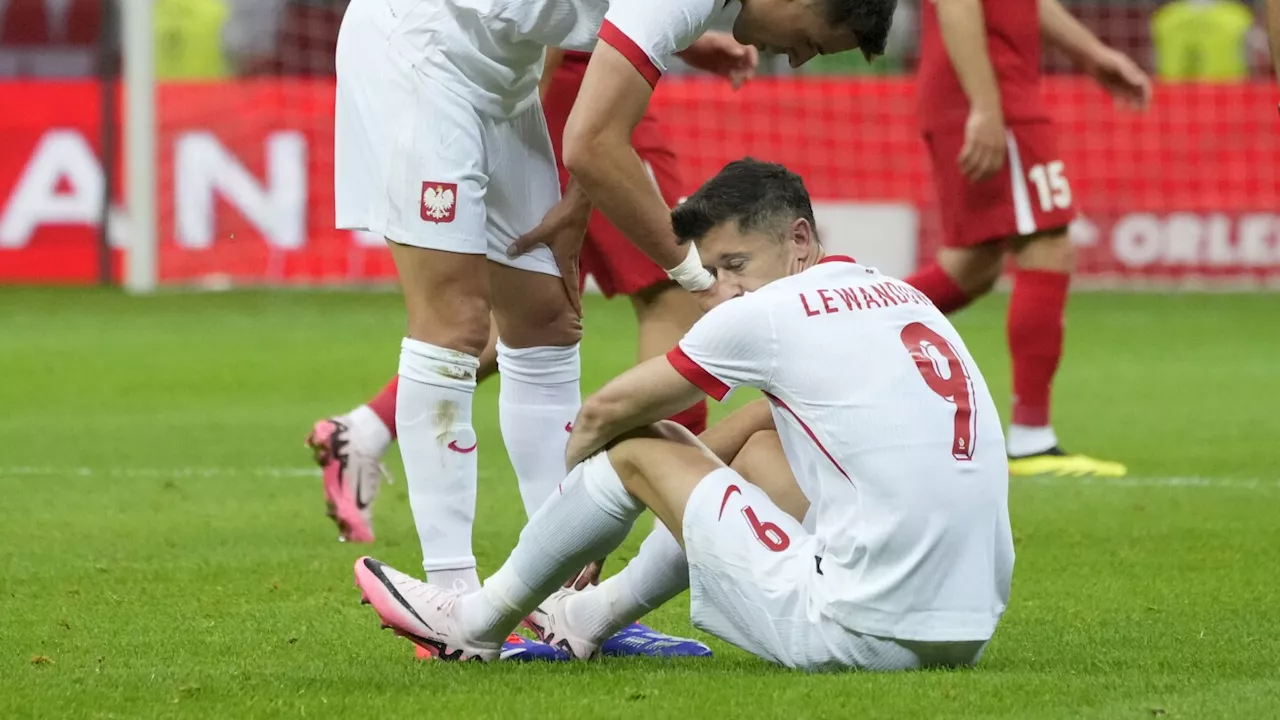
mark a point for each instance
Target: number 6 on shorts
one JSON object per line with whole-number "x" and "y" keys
{"x": 769, "y": 534}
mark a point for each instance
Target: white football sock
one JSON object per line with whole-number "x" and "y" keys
{"x": 537, "y": 404}
{"x": 1027, "y": 440}
{"x": 658, "y": 573}
{"x": 367, "y": 433}
{"x": 587, "y": 520}
{"x": 433, "y": 420}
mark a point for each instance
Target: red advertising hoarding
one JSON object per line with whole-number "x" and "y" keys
{"x": 1189, "y": 190}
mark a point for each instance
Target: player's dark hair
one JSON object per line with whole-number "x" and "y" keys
{"x": 869, "y": 20}
{"x": 758, "y": 195}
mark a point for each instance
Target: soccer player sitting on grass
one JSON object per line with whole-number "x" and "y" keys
{"x": 855, "y": 518}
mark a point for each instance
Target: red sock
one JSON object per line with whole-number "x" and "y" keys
{"x": 1036, "y": 309}
{"x": 694, "y": 419}
{"x": 939, "y": 288}
{"x": 384, "y": 405}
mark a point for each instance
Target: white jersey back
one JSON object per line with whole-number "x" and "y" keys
{"x": 491, "y": 50}
{"x": 893, "y": 436}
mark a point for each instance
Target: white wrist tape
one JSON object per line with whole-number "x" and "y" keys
{"x": 690, "y": 273}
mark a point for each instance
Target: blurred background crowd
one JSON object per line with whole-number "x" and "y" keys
{"x": 1177, "y": 41}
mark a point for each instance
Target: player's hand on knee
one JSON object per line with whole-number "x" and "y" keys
{"x": 984, "y": 145}
{"x": 562, "y": 231}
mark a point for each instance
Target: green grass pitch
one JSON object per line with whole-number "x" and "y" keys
{"x": 164, "y": 550}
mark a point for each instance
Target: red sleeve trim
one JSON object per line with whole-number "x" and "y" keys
{"x": 693, "y": 372}
{"x": 619, "y": 41}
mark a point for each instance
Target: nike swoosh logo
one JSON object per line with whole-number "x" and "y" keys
{"x": 362, "y": 502}
{"x": 728, "y": 493}
{"x": 453, "y": 445}
{"x": 568, "y": 427}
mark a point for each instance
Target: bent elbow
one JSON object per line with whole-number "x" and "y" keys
{"x": 596, "y": 412}
{"x": 576, "y": 154}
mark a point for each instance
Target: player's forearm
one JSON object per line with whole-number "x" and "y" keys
{"x": 614, "y": 178}
{"x": 639, "y": 397}
{"x": 550, "y": 64}
{"x": 1061, "y": 29}
{"x": 964, "y": 35}
{"x": 726, "y": 438}
{"x": 1273, "y": 32}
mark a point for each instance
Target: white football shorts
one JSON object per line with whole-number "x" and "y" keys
{"x": 752, "y": 572}
{"x": 415, "y": 162}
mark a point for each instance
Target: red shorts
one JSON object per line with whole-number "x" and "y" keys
{"x": 1029, "y": 195}
{"x": 617, "y": 265}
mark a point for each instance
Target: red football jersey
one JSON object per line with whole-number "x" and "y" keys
{"x": 1013, "y": 45}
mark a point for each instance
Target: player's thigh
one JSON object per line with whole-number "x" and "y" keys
{"x": 530, "y": 303}
{"x": 524, "y": 186}
{"x": 435, "y": 218}
{"x": 445, "y": 296}
{"x": 421, "y": 184}
{"x": 752, "y": 568}
{"x": 762, "y": 462}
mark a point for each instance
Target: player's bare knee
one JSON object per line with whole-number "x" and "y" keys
{"x": 1051, "y": 251}
{"x": 976, "y": 269}
{"x": 674, "y": 432}
{"x": 625, "y": 457}
{"x": 539, "y": 322}
{"x": 462, "y": 324}
{"x": 632, "y": 478}
{"x": 762, "y": 442}
{"x": 533, "y": 310}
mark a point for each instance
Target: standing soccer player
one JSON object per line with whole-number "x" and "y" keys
{"x": 878, "y": 430}
{"x": 350, "y": 447}
{"x": 1002, "y": 188}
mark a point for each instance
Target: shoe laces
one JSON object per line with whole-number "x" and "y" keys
{"x": 442, "y": 598}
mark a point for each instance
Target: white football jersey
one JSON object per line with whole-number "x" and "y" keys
{"x": 891, "y": 433}
{"x": 492, "y": 49}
